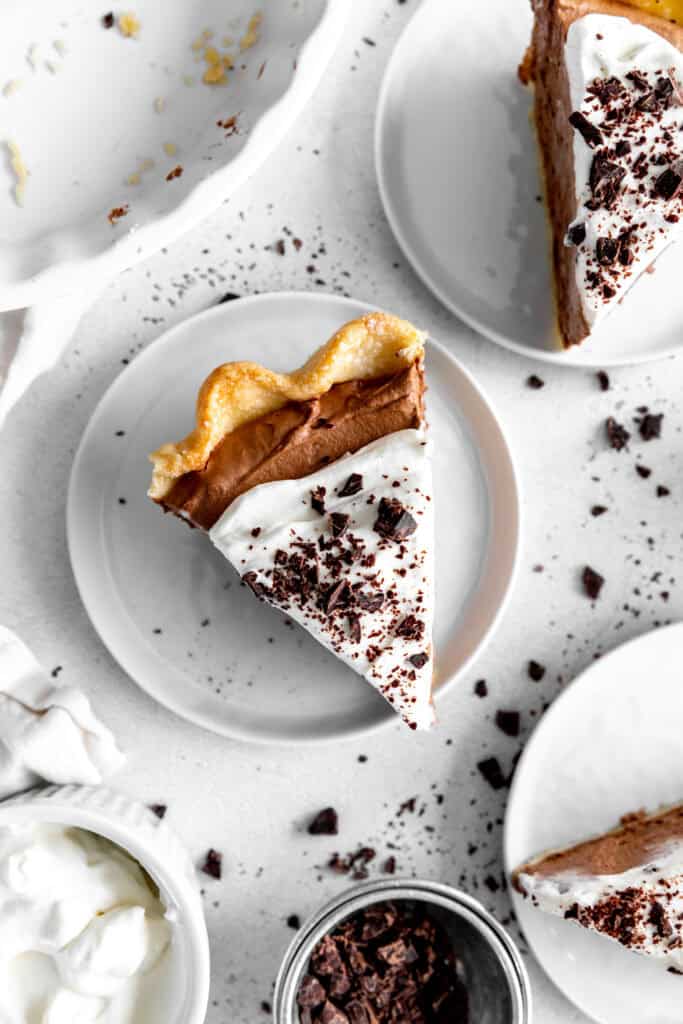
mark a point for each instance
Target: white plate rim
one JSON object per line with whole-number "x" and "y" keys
{"x": 64, "y": 275}
{"x": 577, "y": 359}
{"x": 582, "y": 680}
{"x": 94, "y": 610}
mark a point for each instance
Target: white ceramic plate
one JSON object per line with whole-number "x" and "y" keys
{"x": 459, "y": 177}
{"x": 85, "y": 118}
{"x": 609, "y": 745}
{"x": 222, "y": 659}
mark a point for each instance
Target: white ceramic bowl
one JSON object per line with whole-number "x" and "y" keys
{"x": 152, "y": 843}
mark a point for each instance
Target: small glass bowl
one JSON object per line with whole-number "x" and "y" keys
{"x": 497, "y": 981}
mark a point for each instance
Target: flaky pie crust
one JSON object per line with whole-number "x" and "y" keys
{"x": 375, "y": 345}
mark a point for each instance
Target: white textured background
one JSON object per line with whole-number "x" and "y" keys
{"x": 251, "y": 803}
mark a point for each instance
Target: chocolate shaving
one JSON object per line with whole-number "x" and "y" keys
{"x": 591, "y": 135}
{"x": 318, "y": 500}
{"x": 394, "y": 522}
{"x": 352, "y": 486}
{"x": 592, "y": 583}
{"x": 213, "y": 864}
{"x": 325, "y": 823}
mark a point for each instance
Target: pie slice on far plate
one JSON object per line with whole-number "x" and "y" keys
{"x": 626, "y": 884}
{"x": 317, "y": 487}
{"x": 608, "y": 80}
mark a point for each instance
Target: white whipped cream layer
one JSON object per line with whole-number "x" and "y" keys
{"x": 47, "y": 732}
{"x": 602, "y": 46}
{"x": 641, "y": 908}
{"x": 83, "y": 932}
{"x": 397, "y": 466}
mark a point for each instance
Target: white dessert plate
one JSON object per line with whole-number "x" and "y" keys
{"x": 609, "y": 745}
{"x": 88, "y": 108}
{"x": 459, "y": 176}
{"x": 171, "y": 609}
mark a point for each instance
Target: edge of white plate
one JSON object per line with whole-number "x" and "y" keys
{"x": 205, "y": 721}
{"x": 66, "y": 275}
{"x": 577, "y": 359}
{"x": 583, "y": 679}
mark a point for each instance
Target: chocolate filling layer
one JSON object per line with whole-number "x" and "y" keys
{"x": 640, "y": 841}
{"x": 297, "y": 440}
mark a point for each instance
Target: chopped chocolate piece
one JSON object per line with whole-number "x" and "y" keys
{"x": 623, "y": 147}
{"x": 668, "y": 183}
{"x": 598, "y": 510}
{"x": 370, "y": 602}
{"x": 591, "y": 135}
{"x": 159, "y": 810}
{"x": 393, "y": 522}
{"x": 389, "y": 866}
{"x": 354, "y": 627}
{"x": 534, "y": 382}
{"x": 480, "y": 688}
{"x": 650, "y": 427}
{"x": 662, "y": 491}
{"x": 419, "y": 660}
{"x": 251, "y": 580}
{"x": 617, "y": 435}
{"x": 338, "y": 595}
{"x": 638, "y": 79}
{"x": 606, "y": 251}
{"x": 605, "y": 180}
{"x": 325, "y": 823}
{"x": 256, "y": 532}
{"x": 508, "y": 722}
{"x": 108, "y": 19}
{"x": 392, "y": 964}
{"x": 318, "y": 500}
{"x": 338, "y": 523}
{"x": 213, "y": 864}
{"x": 643, "y": 472}
{"x": 411, "y": 628}
{"x": 577, "y": 234}
{"x": 492, "y": 772}
{"x": 536, "y": 671}
{"x": 407, "y": 805}
{"x": 294, "y": 921}
{"x": 352, "y": 486}
{"x": 592, "y": 583}
{"x": 311, "y": 993}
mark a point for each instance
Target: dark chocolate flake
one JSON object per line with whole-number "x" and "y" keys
{"x": 251, "y": 580}
{"x": 352, "y": 486}
{"x": 325, "y": 823}
{"x": 318, "y": 500}
{"x": 508, "y": 722}
{"x": 213, "y": 864}
{"x": 393, "y": 522}
{"x": 534, "y": 382}
{"x": 592, "y": 583}
{"x": 536, "y": 671}
{"x": 419, "y": 660}
{"x": 492, "y": 772}
{"x": 617, "y": 435}
{"x": 668, "y": 183}
{"x": 591, "y": 135}
{"x": 159, "y": 810}
{"x": 650, "y": 427}
{"x": 339, "y": 523}
{"x": 576, "y": 234}
{"x": 606, "y": 251}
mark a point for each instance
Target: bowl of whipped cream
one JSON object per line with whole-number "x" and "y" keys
{"x": 100, "y": 913}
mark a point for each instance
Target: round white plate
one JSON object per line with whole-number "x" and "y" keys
{"x": 609, "y": 745}
{"x": 459, "y": 175}
{"x": 90, "y": 108}
{"x": 172, "y": 610}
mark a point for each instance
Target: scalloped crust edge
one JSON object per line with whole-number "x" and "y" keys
{"x": 375, "y": 345}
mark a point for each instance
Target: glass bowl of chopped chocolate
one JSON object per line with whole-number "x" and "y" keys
{"x": 414, "y": 952}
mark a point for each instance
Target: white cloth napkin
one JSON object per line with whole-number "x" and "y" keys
{"x": 32, "y": 340}
{"x": 48, "y": 732}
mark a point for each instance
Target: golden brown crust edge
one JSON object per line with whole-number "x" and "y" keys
{"x": 375, "y": 345}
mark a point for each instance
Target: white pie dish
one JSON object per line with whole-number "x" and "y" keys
{"x": 149, "y": 841}
{"x": 76, "y": 82}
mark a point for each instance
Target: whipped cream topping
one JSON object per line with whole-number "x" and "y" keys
{"x": 626, "y": 85}
{"x": 640, "y": 908}
{"x": 83, "y": 932}
{"x": 47, "y": 732}
{"x": 348, "y": 553}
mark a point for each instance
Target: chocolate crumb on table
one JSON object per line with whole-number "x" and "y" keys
{"x": 650, "y": 426}
{"x": 213, "y": 864}
{"x": 492, "y": 772}
{"x": 159, "y": 810}
{"x": 508, "y": 722}
{"x": 617, "y": 435}
{"x": 481, "y": 688}
{"x": 535, "y": 670}
{"x": 592, "y": 583}
{"x": 534, "y": 382}
{"x": 389, "y": 963}
{"x": 325, "y": 823}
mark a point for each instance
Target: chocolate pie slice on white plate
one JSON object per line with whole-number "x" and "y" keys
{"x": 608, "y": 80}
{"x": 317, "y": 487}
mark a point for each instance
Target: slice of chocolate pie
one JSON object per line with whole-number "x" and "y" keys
{"x": 317, "y": 487}
{"x": 608, "y": 80}
{"x": 626, "y": 884}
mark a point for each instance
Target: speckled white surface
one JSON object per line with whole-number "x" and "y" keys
{"x": 253, "y": 803}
